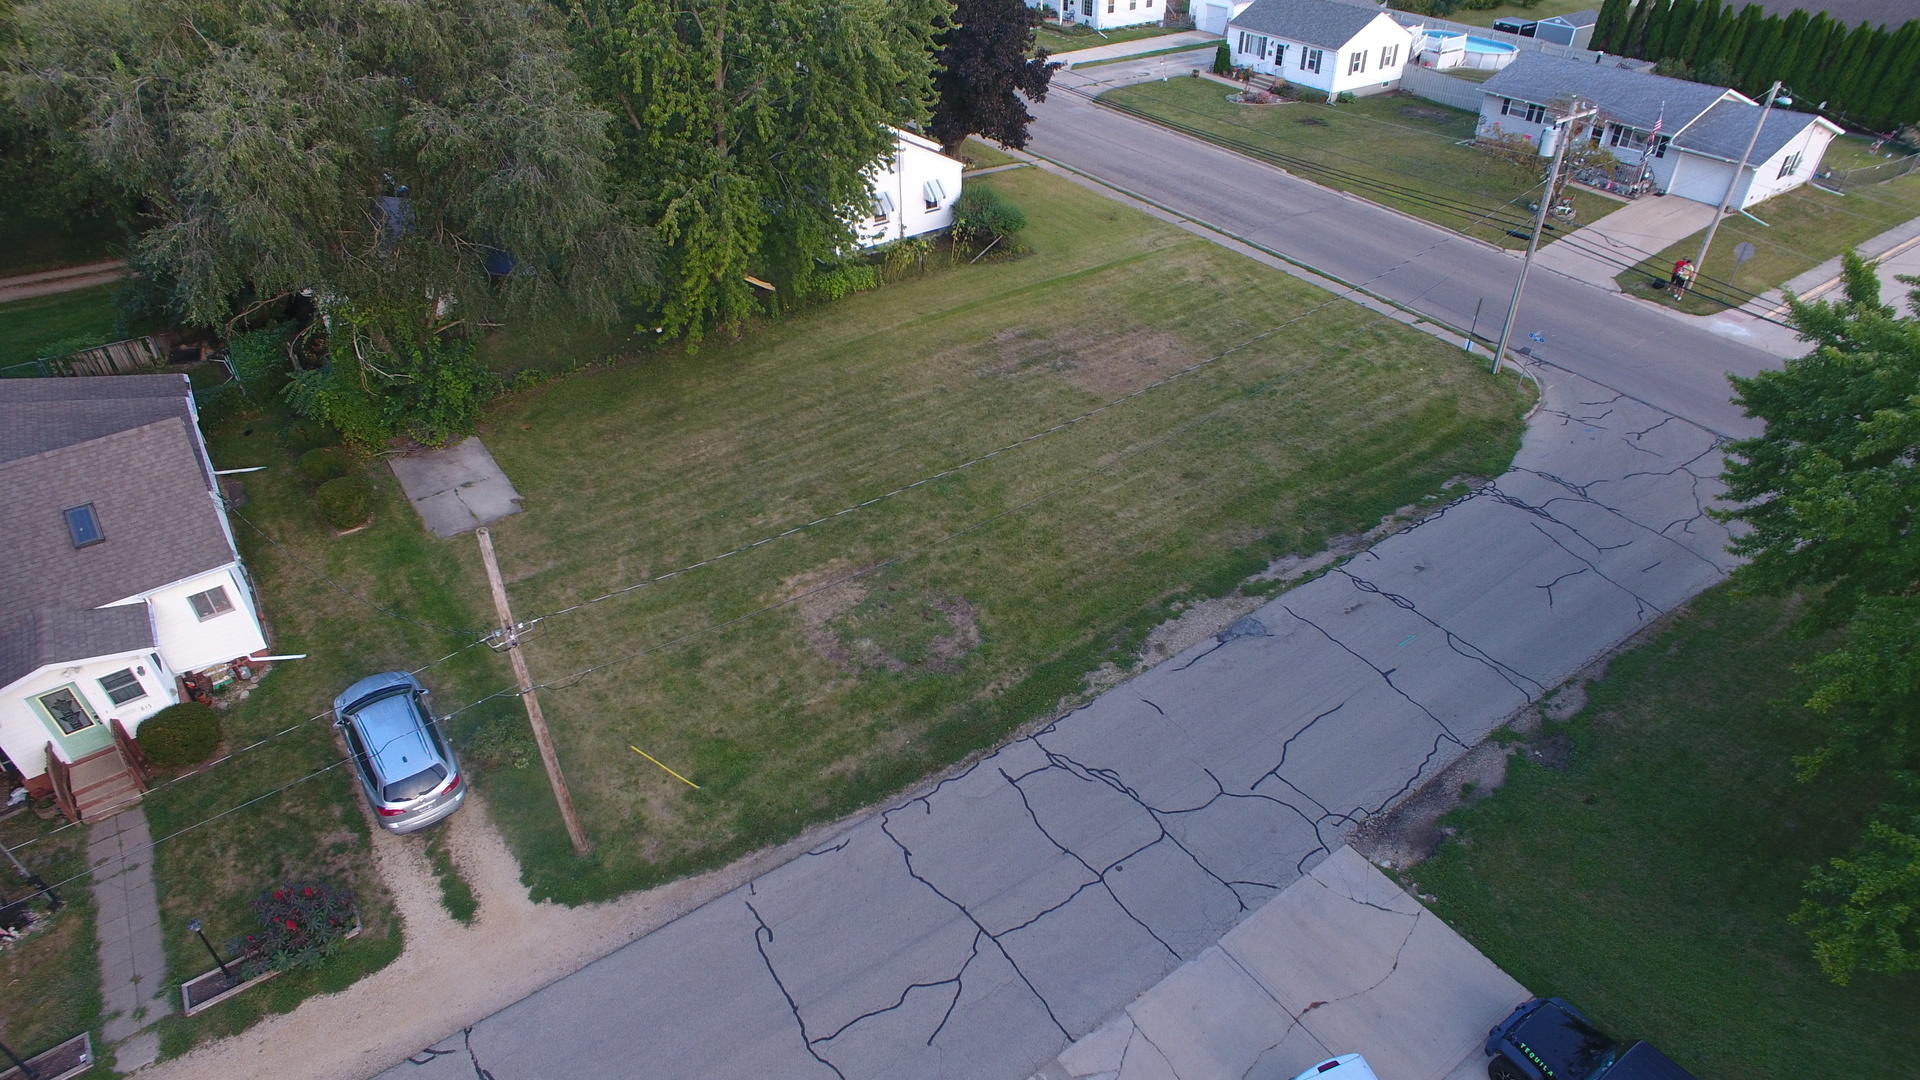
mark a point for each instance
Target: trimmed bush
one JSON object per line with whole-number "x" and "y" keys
{"x": 1222, "y": 60}
{"x": 324, "y": 464}
{"x": 345, "y": 500}
{"x": 303, "y": 435}
{"x": 982, "y": 215}
{"x": 180, "y": 735}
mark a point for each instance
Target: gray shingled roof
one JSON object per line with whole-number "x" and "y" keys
{"x": 1629, "y": 97}
{"x": 1589, "y": 17}
{"x": 150, "y": 492}
{"x": 1327, "y": 24}
{"x": 1724, "y": 130}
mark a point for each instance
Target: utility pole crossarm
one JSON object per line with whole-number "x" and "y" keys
{"x": 510, "y": 634}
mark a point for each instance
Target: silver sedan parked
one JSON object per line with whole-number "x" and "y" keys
{"x": 402, "y": 757}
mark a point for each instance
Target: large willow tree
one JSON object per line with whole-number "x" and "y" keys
{"x": 746, "y": 129}
{"x": 420, "y": 162}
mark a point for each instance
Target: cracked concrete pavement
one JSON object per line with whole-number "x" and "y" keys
{"x": 981, "y": 925}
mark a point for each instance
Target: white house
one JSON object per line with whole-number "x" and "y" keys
{"x": 1105, "y": 14}
{"x": 121, "y": 575}
{"x": 1688, "y": 135}
{"x": 1334, "y": 47}
{"x": 914, "y": 190}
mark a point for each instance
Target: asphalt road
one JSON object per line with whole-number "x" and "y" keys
{"x": 1601, "y": 336}
{"x": 978, "y": 926}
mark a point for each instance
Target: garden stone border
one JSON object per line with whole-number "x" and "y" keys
{"x": 214, "y": 977}
{"x": 70, "y": 1058}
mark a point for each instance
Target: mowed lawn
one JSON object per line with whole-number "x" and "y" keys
{"x": 1803, "y": 228}
{"x": 1650, "y": 881}
{"x": 805, "y": 677}
{"x": 1394, "y": 149}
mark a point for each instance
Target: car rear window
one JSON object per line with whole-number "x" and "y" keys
{"x": 414, "y": 786}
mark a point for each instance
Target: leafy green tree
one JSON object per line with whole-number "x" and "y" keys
{"x": 1830, "y": 492}
{"x": 987, "y": 65}
{"x": 392, "y": 155}
{"x": 746, "y": 130}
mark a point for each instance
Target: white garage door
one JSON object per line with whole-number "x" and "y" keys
{"x": 1214, "y": 19}
{"x": 1702, "y": 179}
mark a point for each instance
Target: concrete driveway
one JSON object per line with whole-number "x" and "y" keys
{"x": 1341, "y": 962}
{"x": 1598, "y": 251}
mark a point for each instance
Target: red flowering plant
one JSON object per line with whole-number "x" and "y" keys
{"x": 302, "y": 923}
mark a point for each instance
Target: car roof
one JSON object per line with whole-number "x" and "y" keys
{"x": 391, "y": 726}
{"x": 1643, "y": 1062}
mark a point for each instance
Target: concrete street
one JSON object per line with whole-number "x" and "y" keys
{"x": 979, "y": 926}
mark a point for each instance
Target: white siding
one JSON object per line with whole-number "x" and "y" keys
{"x": 1767, "y": 182}
{"x": 1107, "y": 14}
{"x": 1281, "y": 57}
{"x": 188, "y": 643}
{"x": 24, "y": 733}
{"x": 902, "y": 183}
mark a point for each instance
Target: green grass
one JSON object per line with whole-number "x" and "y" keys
{"x": 212, "y": 866}
{"x": 996, "y": 589}
{"x": 1804, "y": 228}
{"x": 26, "y": 326}
{"x": 980, "y": 154}
{"x": 1147, "y": 55}
{"x": 1533, "y": 12}
{"x": 52, "y": 975}
{"x": 29, "y": 243}
{"x": 1396, "y": 150}
{"x": 1650, "y": 882}
{"x": 1057, "y": 39}
{"x": 456, "y": 896}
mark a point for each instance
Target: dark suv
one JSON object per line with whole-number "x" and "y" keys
{"x": 1548, "y": 1039}
{"x": 399, "y": 751}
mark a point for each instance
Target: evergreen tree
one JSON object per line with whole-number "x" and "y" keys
{"x": 1704, "y": 26}
{"x": 1786, "y": 61}
{"x": 1613, "y": 19}
{"x": 1850, "y": 72}
{"x": 1635, "y": 31}
{"x": 1735, "y": 31}
{"x": 1902, "y": 79}
{"x": 1759, "y": 50}
{"x": 1680, "y": 16}
{"x": 1817, "y": 70}
{"x": 1655, "y": 38}
{"x": 1812, "y": 52}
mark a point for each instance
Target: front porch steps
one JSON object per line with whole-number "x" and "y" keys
{"x": 104, "y": 784}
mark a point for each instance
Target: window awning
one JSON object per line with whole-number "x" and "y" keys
{"x": 935, "y": 192}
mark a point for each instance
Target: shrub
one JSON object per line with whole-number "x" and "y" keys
{"x": 259, "y": 358}
{"x": 303, "y": 435}
{"x": 982, "y": 215}
{"x": 180, "y": 735}
{"x": 325, "y": 463}
{"x": 301, "y": 924}
{"x": 842, "y": 281}
{"x": 384, "y": 387}
{"x": 345, "y": 501}
{"x": 1222, "y": 59}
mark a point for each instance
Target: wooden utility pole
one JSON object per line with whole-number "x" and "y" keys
{"x": 551, "y": 760}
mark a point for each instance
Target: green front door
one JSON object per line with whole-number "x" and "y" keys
{"x": 76, "y": 730}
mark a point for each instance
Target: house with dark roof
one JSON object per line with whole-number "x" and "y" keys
{"x": 1333, "y": 47}
{"x": 121, "y": 577}
{"x": 1689, "y": 137}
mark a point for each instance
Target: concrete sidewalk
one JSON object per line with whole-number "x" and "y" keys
{"x": 1343, "y": 961}
{"x": 133, "y": 962}
{"x": 1189, "y": 38}
{"x": 1597, "y": 252}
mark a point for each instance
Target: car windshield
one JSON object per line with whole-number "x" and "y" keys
{"x": 1570, "y": 1049}
{"x": 414, "y": 786}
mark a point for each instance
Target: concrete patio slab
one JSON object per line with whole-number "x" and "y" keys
{"x": 456, "y": 488}
{"x": 1341, "y": 961}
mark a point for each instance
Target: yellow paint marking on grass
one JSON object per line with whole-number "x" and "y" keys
{"x": 670, "y": 772}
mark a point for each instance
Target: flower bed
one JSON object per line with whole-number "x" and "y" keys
{"x": 302, "y": 923}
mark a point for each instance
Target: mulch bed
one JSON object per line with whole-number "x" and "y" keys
{"x": 70, "y": 1058}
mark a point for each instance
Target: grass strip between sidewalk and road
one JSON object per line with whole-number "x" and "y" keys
{"x": 1649, "y": 879}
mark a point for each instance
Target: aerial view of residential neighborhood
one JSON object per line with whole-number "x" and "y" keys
{"x": 960, "y": 539}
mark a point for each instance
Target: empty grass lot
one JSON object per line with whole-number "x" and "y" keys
{"x": 29, "y": 242}
{"x": 1804, "y": 228}
{"x": 52, "y": 975}
{"x": 27, "y": 326}
{"x": 1650, "y": 881}
{"x": 1397, "y": 150}
{"x": 804, "y": 678}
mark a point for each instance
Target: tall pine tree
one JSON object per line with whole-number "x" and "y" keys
{"x": 1735, "y": 31}
{"x": 1786, "y": 60}
{"x": 1680, "y": 16}
{"x": 1702, "y": 28}
{"x": 1812, "y": 52}
{"x": 1636, "y": 29}
{"x": 1761, "y": 46}
{"x": 1613, "y": 20}
{"x": 1850, "y": 71}
{"x": 1817, "y": 76}
{"x": 1902, "y": 79}
{"x": 1657, "y": 22}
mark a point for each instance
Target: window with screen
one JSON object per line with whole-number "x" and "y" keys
{"x": 210, "y": 603}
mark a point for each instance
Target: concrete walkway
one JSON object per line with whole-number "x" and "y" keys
{"x": 1188, "y": 38}
{"x": 65, "y": 279}
{"x": 1342, "y": 962}
{"x": 133, "y": 963}
{"x": 1595, "y": 253}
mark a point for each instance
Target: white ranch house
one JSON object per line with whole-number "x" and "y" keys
{"x": 913, "y": 192}
{"x": 1333, "y": 47}
{"x": 1104, "y": 14}
{"x": 1701, "y": 129}
{"x": 121, "y": 577}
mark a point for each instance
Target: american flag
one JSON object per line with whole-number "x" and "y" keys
{"x": 1658, "y": 122}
